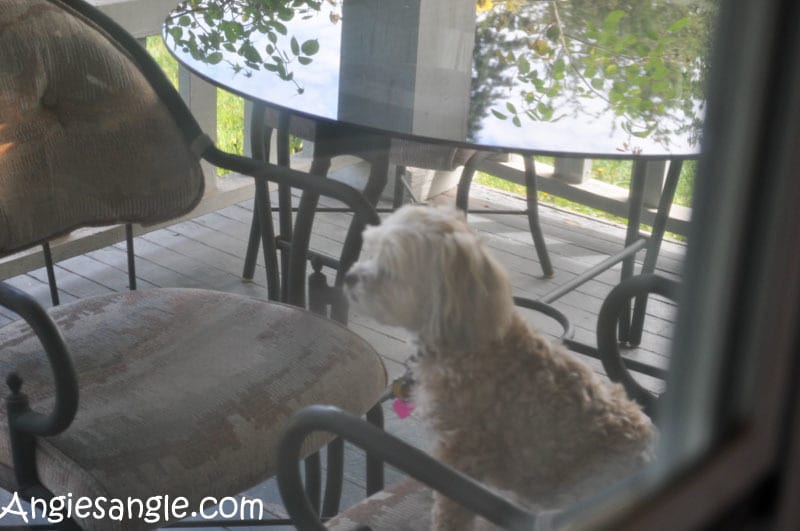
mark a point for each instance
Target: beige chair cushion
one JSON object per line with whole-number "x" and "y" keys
{"x": 84, "y": 139}
{"x": 403, "y": 506}
{"x": 183, "y": 392}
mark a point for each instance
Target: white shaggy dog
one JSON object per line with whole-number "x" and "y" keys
{"x": 506, "y": 407}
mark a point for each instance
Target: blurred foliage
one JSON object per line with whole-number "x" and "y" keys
{"x": 645, "y": 62}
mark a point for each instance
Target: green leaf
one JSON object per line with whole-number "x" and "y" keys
{"x": 523, "y": 66}
{"x": 541, "y": 47}
{"x": 295, "y": 46}
{"x": 542, "y": 108}
{"x": 176, "y": 32}
{"x": 553, "y": 33}
{"x": 280, "y": 28}
{"x": 611, "y": 22}
{"x": 499, "y": 114}
{"x": 559, "y": 68}
{"x": 659, "y": 70}
{"x": 310, "y": 47}
{"x": 214, "y": 58}
{"x": 661, "y": 86}
{"x": 511, "y": 108}
{"x": 516, "y": 121}
{"x": 645, "y": 105}
{"x": 678, "y": 25}
{"x": 249, "y": 52}
{"x": 304, "y": 60}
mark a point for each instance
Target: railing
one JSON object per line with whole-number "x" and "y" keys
{"x": 143, "y": 18}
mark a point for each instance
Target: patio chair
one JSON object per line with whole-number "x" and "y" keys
{"x": 161, "y": 392}
{"x": 406, "y": 505}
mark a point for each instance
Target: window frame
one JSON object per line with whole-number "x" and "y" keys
{"x": 730, "y": 416}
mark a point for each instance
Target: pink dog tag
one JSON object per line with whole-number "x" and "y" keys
{"x": 403, "y": 408}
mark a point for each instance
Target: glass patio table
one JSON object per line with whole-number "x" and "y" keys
{"x": 564, "y": 78}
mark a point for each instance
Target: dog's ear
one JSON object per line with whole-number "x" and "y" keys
{"x": 473, "y": 305}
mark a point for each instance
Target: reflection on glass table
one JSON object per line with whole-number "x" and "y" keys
{"x": 546, "y": 76}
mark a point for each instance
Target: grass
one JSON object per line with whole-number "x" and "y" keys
{"x": 616, "y": 172}
{"x": 230, "y": 137}
{"x": 230, "y": 108}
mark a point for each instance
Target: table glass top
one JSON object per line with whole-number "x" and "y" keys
{"x": 594, "y": 77}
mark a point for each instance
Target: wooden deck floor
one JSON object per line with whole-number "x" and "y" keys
{"x": 208, "y": 252}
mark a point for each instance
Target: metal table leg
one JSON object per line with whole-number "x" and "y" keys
{"x": 654, "y": 246}
{"x": 260, "y": 140}
{"x": 532, "y": 200}
{"x": 635, "y": 202}
{"x": 465, "y": 181}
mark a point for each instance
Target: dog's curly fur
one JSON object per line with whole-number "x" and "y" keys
{"x": 507, "y": 407}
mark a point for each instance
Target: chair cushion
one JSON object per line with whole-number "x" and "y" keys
{"x": 406, "y": 506}
{"x": 183, "y": 392}
{"x": 403, "y": 506}
{"x": 84, "y": 139}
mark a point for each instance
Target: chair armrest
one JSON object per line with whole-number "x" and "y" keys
{"x": 607, "y": 344}
{"x": 21, "y": 418}
{"x": 384, "y": 446}
{"x": 549, "y": 311}
{"x": 365, "y": 213}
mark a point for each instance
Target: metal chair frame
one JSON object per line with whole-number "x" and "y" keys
{"x": 531, "y": 200}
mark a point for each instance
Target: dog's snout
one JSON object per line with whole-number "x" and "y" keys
{"x": 351, "y": 279}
